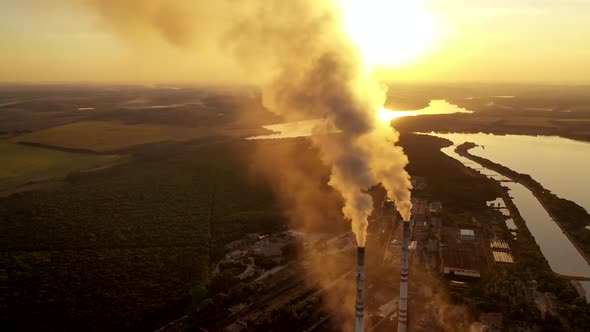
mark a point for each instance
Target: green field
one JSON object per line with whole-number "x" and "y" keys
{"x": 103, "y": 136}
{"x": 22, "y": 164}
{"x": 100, "y": 136}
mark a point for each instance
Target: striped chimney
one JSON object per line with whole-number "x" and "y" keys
{"x": 360, "y": 291}
{"x": 402, "y": 324}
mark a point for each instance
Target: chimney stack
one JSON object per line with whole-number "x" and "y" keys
{"x": 402, "y": 319}
{"x": 360, "y": 291}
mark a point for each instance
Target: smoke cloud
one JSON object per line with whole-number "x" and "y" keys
{"x": 307, "y": 67}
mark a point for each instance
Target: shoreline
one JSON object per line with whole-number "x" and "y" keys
{"x": 577, "y": 138}
{"x": 464, "y": 152}
{"x": 556, "y": 220}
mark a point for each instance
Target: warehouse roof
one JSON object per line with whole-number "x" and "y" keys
{"x": 467, "y": 232}
{"x": 502, "y": 257}
{"x": 499, "y": 244}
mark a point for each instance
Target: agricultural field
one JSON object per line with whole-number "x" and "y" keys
{"x": 225, "y": 111}
{"x": 104, "y": 136}
{"x": 23, "y": 164}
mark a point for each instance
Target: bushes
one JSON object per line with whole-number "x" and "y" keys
{"x": 103, "y": 289}
{"x": 266, "y": 263}
{"x": 232, "y": 265}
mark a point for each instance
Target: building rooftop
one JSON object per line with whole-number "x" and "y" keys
{"x": 458, "y": 256}
{"x": 502, "y": 257}
{"x": 435, "y": 207}
{"x": 499, "y": 244}
{"x": 388, "y": 308}
{"x": 467, "y": 232}
{"x": 461, "y": 261}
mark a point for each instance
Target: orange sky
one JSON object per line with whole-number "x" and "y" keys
{"x": 542, "y": 41}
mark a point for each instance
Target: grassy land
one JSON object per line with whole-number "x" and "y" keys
{"x": 98, "y": 136}
{"x": 103, "y": 136}
{"x": 26, "y": 164}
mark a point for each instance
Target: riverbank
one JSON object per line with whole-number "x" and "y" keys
{"x": 532, "y": 269}
{"x": 527, "y": 248}
{"x": 570, "y": 217}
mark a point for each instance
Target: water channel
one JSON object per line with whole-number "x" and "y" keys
{"x": 562, "y": 255}
{"x": 561, "y": 165}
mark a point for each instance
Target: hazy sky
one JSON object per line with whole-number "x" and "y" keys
{"x": 492, "y": 40}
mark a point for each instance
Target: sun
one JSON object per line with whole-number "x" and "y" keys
{"x": 387, "y": 116}
{"x": 390, "y": 33}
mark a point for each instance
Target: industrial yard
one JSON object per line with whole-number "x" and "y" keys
{"x": 440, "y": 253}
{"x": 449, "y": 258}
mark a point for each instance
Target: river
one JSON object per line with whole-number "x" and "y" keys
{"x": 305, "y": 128}
{"x": 561, "y": 254}
{"x": 561, "y": 165}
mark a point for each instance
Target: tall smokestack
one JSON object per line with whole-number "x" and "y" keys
{"x": 402, "y": 321}
{"x": 360, "y": 291}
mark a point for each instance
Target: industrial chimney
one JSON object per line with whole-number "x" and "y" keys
{"x": 360, "y": 291}
{"x": 402, "y": 319}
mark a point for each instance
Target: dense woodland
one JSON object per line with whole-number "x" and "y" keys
{"x": 125, "y": 246}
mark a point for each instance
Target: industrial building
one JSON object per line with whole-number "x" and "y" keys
{"x": 453, "y": 270}
{"x": 502, "y": 257}
{"x": 418, "y": 183}
{"x": 461, "y": 256}
{"x": 421, "y": 228}
{"x": 501, "y": 251}
{"x": 497, "y": 244}
{"x": 435, "y": 207}
{"x": 467, "y": 234}
{"x": 419, "y": 207}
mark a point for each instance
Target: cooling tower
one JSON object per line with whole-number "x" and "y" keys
{"x": 402, "y": 324}
{"x": 360, "y": 291}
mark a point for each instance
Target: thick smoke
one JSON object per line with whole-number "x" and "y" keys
{"x": 308, "y": 68}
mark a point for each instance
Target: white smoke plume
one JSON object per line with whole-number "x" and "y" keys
{"x": 308, "y": 68}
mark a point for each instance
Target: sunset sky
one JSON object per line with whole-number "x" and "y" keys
{"x": 542, "y": 41}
